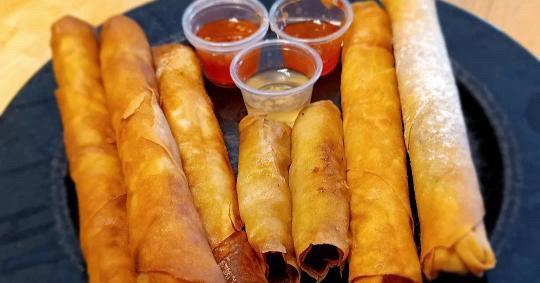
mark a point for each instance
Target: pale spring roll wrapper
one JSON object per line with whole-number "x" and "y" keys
{"x": 166, "y": 235}
{"x": 264, "y": 195}
{"x": 383, "y": 248}
{"x": 90, "y": 147}
{"x": 450, "y": 206}
{"x": 196, "y": 130}
{"x": 320, "y": 196}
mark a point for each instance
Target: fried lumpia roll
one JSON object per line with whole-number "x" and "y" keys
{"x": 195, "y": 128}
{"x": 264, "y": 196}
{"x": 450, "y": 206}
{"x": 93, "y": 159}
{"x": 383, "y": 247}
{"x": 320, "y": 197}
{"x": 166, "y": 235}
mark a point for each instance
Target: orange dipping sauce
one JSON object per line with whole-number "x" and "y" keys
{"x": 311, "y": 29}
{"x": 216, "y": 65}
{"x": 329, "y": 51}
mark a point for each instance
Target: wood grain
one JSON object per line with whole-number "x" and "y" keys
{"x": 24, "y": 29}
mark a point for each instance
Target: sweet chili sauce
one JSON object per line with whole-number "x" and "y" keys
{"x": 216, "y": 65}
{"x": 329, "y": 50}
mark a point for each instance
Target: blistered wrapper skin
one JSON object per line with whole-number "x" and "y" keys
{"x": 264, "y": 195}
{"x": 320, "y": 195}
{"x": 383, "y": 247}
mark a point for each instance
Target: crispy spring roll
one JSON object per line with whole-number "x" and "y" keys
{"x": 195, "y": 128}
{"x": 93, "y": 159}
{"x": 166, "y": 235}
{"x": 264, "y": 196}
{"x": 450, "y": 207}
{"x": 383, "y": 248}
{"x": 320, "y": 196}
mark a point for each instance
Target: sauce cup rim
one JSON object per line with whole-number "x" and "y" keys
{"x": 231, "y": 46}
{"x": 347, "y": 8}
{"x": 277, "y": 42}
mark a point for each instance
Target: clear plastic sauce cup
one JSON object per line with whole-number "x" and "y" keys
{"x": 218, "y": 29}
{"x": 276, "y": 77}
{"x": 318, "y": 23}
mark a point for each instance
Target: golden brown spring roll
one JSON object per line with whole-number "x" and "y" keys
{"x": 166, "y": 235}
{"x": 320, "y": 196}
{"x": 383, "y": 248}
{"x": 264, "y": 196}
{"x": 93, "y": 159}
{"x": 450, "y": 207}
{"x": 195, "y": 128}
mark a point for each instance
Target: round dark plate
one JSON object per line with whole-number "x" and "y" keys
{"x": 499, "y": 85}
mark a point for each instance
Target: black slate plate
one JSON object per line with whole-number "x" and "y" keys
{"x": 499, "y": 86}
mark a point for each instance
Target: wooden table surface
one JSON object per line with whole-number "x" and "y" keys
{"x": 24, "y": 29}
